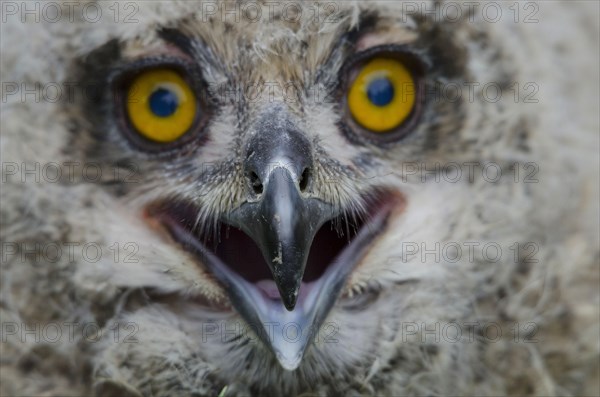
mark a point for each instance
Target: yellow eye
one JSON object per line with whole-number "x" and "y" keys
{"x": 161, "y": 105}
{"x": 382, "y": 96}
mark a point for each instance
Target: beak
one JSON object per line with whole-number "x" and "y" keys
{"x": 283, "y": 224}
{"x": 279, "y": 215}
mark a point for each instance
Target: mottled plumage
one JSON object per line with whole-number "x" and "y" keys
{"x": 377, "y": 343}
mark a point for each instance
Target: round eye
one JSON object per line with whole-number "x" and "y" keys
{"x": 161, "y": 105}
{"x": 382, "y": 96}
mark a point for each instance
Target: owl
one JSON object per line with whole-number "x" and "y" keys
{"x": 300, "y": 198}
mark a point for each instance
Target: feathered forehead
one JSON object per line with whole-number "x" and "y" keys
{"x": 283, "y": 40}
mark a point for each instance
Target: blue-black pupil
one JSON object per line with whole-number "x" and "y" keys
{"x": 163, "y": 102}
{"x": 380, "y": 91}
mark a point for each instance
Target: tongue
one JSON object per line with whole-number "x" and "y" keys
{"x": 270, "y": 291}
{"x": 269, "y": 288}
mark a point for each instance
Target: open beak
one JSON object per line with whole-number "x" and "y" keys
{"x": 283, "y": 225}
{"x": 287, "y": 333}
{"x": 261, "y": 256}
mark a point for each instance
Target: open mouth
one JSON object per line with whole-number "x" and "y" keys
{"x": 240, "y": 266}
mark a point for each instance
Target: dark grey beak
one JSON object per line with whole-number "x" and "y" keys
{"x": 279, "y": 215}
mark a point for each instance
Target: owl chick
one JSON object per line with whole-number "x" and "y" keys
{"x": 300, "y": 198}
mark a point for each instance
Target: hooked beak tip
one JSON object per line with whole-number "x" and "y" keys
{"x": 290, "y": 303}
{"x": 288, "y": 293}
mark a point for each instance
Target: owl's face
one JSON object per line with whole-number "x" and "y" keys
{"x": 274, "y": 175}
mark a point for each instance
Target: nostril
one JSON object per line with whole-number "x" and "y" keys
{"x": 255, "y": 182}
{"x": 305, "y": 178}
